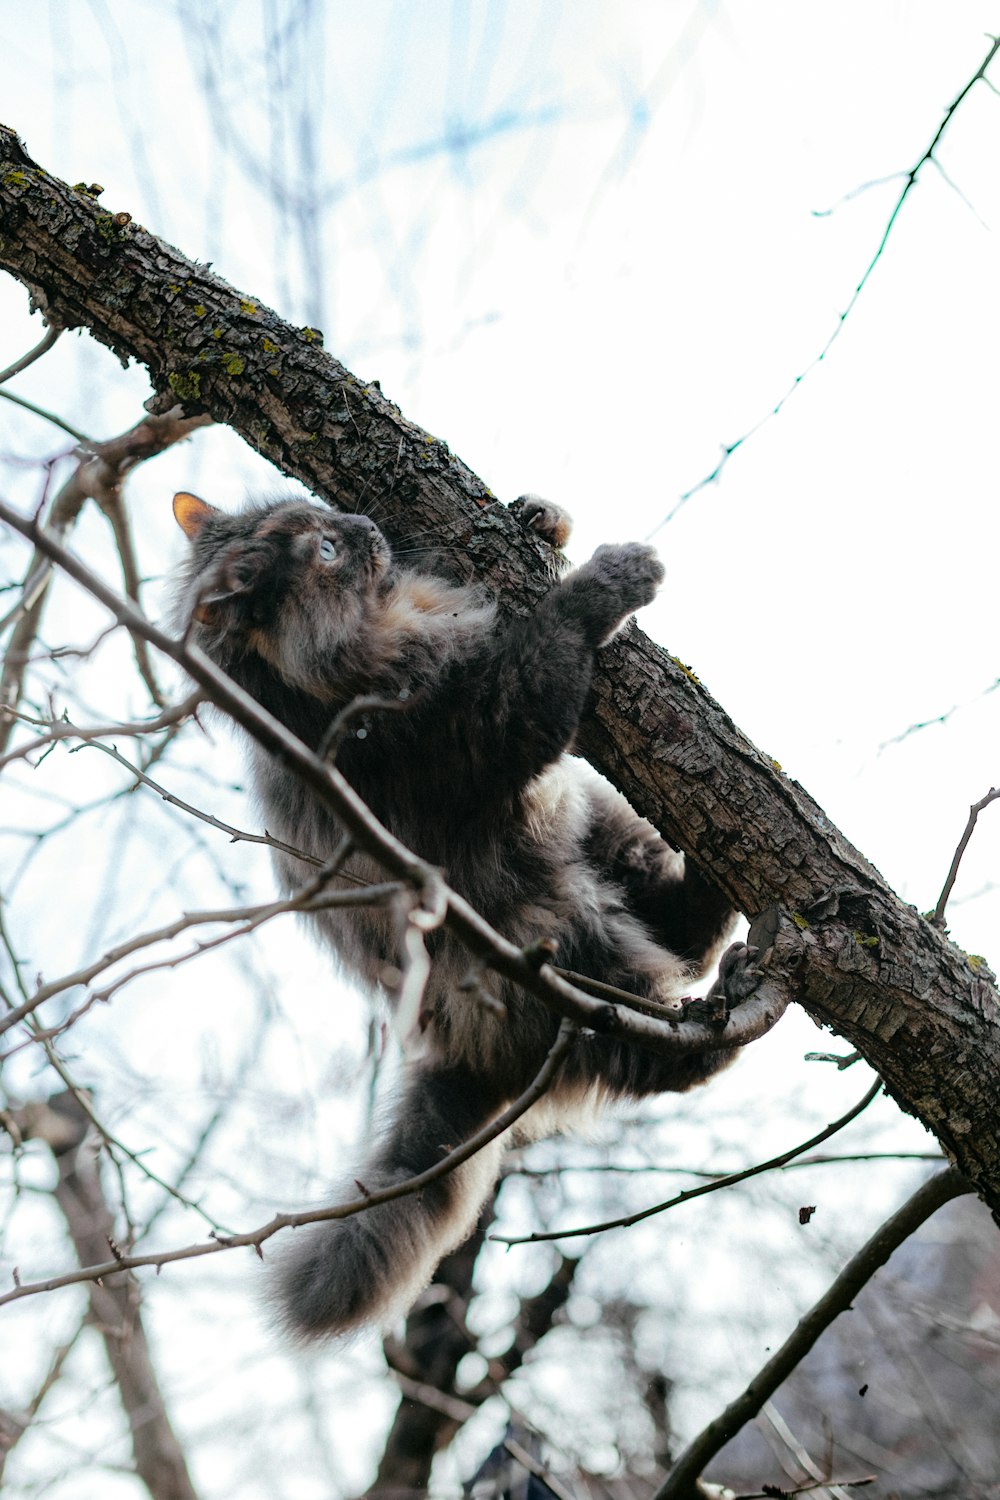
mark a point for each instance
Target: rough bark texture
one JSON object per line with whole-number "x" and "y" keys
{"x": 921, "y": 1011}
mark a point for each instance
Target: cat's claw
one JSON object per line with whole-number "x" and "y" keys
{"x": 738, "y": 976}
{"x": 549, "y": 521}
{"x": 736, "y": 981}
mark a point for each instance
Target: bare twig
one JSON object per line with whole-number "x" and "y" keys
{"x": 713, "y": 1186}
{"x": 910, "y": 179}
{"x": 49, "y": 416}
{"x": 244, "y": 920}
{"x": 929, "y": 1197}
{"x": 974, "y": 811}
{"x": 942, "y": 718}
{"x": 64, "y": 730}
{"x": 784, "y": 1493}
{"x": 751, "y": 1019}
{"x": 114, "y": 1146}
{"x": 256, "y": 1237}
{"x": 99, "y": 474}
{"x": 358, "y": 708}
{"x": 13, "y": 1427}
{"x": 42, "y": 347}
{"x": 236, "y": 835}
{"x": 639, "y": 1169}
{"x": 113, "y": 506}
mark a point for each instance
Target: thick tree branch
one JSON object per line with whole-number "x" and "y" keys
{"x": 838, "y": 939}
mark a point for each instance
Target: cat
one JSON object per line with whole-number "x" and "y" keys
{"x": 307, "y": 609}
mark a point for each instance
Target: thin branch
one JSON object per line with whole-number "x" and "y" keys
{"x": 713, "y": 1186}
{"x": 82, "y": 1097}
{"x": 974, "y": 811}
{"x": 310, "y": 899}
{"x": 49, "y": 416}
{"x": 618, "y": 1169}
{"x": 856, "y": 192}
{"x": 783, "y": 1493}
{"x": 13, "y": 1427}
{"x": 113, "y": 1143}
{"x": 910, "y": 180}
{"x": 236, "y": 835}
{"x": 942, "y": 718}
{"x": 754, "y": 1016}
{"x": 256, "y": 1237}
{"x": 113, "y": 506}
{"x": 929, "y": 1197}
{"x": 65, "y": 730}
{"x": 99, "y": 474}
{"x": 42, "y": 347}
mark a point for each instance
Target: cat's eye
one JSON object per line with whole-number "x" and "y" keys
{"x": 327, "y": 550}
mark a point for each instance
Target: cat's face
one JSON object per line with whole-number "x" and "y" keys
{"x": 277, "y": 561}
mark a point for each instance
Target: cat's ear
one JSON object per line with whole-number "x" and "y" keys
{"x": 192, "y": 513}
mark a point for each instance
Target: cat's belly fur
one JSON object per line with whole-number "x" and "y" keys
{"x": 581, "y": 908}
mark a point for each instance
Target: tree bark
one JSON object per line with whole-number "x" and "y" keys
{"x": 114, "y": 1302}
{"x": 922, "y": 1012}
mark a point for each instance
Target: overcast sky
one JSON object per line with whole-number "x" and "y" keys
{"x": 589, "y": 245}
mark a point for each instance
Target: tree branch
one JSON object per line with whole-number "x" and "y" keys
{"x": 680, "y": 1483}
{"x": 909, "y": 182}
{"x": 114, "y": 1303}
{"x": 99, "y": 475}
{"x": 833, "y": 934}
{"x": 713, "y": 1186}
{"x": 963, "y": 844}
{"x": 751, "y": 1019}
{"x": 255, "y": 1238}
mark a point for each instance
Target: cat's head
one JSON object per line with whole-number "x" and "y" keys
{"x": 318, "y": 597}
{"x": 249, "y": 568}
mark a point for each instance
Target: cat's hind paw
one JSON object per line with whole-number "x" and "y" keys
{"x": 736, "y": 981}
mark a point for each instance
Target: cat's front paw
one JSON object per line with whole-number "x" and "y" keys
{"x": 630, "y": 570}
{"x": 549, "y": 521}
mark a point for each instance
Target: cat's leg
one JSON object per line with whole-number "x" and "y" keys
{"x": 628, "y": 1069}
{"x": 341, "y": 1273}
{"x": 522, "y": 698}
{"x": 680, "y": 907}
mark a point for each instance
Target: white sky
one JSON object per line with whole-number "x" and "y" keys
{"x": 620, "y": 263}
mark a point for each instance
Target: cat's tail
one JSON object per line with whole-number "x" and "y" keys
{"x": 341, "y": 1273}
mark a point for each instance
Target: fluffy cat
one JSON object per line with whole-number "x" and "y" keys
{"x": 307, "y": 609}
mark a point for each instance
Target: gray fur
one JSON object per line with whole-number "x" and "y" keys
{"x": 307, "y": 610}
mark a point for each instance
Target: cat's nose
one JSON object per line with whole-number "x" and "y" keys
{"x": 360, "y": 521}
